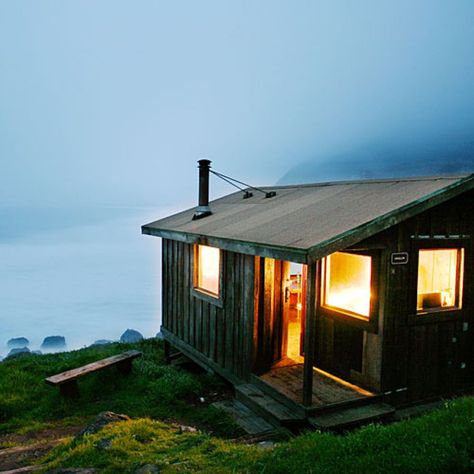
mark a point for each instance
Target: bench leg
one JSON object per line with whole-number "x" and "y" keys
{"x": 125, "y": 367}
{"x": 69, "y": 389}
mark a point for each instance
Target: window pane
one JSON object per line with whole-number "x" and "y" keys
{"x": 438, "y": 279}
{"x": 208, "y": 269}
{"x": 347, "y": 282}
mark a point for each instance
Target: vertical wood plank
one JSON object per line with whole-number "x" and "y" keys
{"x": 186, "y": 292}
{"x": 164, "y": 283}
{"x": 237, "y": 314}
{"x": 205, "y": 328}
{"x": 220, "y": 336}
{"x": 229, "y": 311}
{"x": 212, "y": 333}
{"x": 248, "y": 315}
{"x": 198, "y": 322}
{"x": 310, "y": 330}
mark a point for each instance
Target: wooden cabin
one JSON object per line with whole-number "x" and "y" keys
{"x": 313, "y": 299}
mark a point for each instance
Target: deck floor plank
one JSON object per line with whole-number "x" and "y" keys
{"x": 287, "y": 378}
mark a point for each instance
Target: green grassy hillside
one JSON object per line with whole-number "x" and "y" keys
{"x": 160, "y": 397}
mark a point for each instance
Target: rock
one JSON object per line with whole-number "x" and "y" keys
{"x": 101, "y": 342}
{"x": 17, "y": 352}
{"x": 268, "y": 444}
{"x": 102, "y": 420}
{"x": 187, "y": 429}
{"x": 148, "y": 469}
{"x": 18, "y": 342}
{"x": 130, "y": 335}
{"x": 103, "y": 444}
{"x": 54, "y": 342}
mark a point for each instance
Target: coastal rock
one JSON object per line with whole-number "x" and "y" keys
{"x": 17, "y": 351}
{"x": 101, "y": 342}
{"x": 130, "y": 335}
{"x": 102, "y": 420}
{"x": 18, "y": 342}
{"x": 54, "y": 342}
{"x": 148, "y": 469}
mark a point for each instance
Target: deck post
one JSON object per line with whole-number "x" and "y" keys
{"x": 310, "y": 332}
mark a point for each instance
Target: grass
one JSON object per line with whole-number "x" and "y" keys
{"x": 155, "y": 394}
{"x": 153, "y": 389}
{"x": 442, "y": 442}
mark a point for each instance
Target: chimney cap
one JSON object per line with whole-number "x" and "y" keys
{"x": 203, "y": 209}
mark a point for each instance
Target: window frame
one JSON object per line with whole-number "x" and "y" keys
{"x": 201, "y": 293}
{"x": 369, "y": 323}
{"x": 443, "y": 314}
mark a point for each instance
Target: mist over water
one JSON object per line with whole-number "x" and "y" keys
{"x": 87, "y": 280}
{"x": 386, "y": 160}
{"x": 111, "y": 103}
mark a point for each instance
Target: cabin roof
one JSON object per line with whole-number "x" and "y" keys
{"x": 303, "y": 223}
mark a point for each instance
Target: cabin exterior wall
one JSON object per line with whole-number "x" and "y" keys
{"x": 218, "y": 336}
{"x": 425, "y": 358}
{"x": 408, "y": 358}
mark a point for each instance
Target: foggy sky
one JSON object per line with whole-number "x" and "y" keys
{"x": 111, "y": 103}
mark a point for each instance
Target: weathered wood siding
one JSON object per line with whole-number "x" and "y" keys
{"x": 427, "y": 358}
{"x": 412, "y": 358}
{"x": 223, "y": 335}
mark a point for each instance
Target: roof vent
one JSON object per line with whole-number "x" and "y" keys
{"x": 203, "y": 209}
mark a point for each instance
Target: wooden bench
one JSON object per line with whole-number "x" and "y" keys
{"x": 67, "y": 381}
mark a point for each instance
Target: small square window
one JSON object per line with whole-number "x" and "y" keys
{"x": 439, "y": 285}
{"x": 347, "y": 282}
{"x": 207, "y": 276}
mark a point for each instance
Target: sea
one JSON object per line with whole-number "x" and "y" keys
{"x": 82, "y": 273}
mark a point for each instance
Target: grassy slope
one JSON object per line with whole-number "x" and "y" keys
{"x": 441, "y": 442}
{"x": 153, "y": 389}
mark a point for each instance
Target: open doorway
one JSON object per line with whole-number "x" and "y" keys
{"x": 295, "y": 298}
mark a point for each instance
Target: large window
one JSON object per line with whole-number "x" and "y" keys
{"x": 347, "y": 282}
{"x": 439, "y": 283}
{"x": 207, "y": 271}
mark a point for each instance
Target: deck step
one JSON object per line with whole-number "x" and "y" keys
{"x": 267, "y": 407}
{"x": 244, "y": 417}
{"x": 351, "y": 416}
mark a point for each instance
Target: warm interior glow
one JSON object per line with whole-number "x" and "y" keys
{"x": 294, "y": 317}
{"x": 347, "y": 282}
{"x": 438, "y": 278}
{"x": 208, "y": 269}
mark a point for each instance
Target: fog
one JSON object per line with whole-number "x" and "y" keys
{"x": 111, "y": 102}
{"x": 106, "y": 106}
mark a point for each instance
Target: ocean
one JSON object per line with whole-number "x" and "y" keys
{"x": 84, "y": 274}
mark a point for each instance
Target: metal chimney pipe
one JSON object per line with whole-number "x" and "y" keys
{"x": 203, "y": 209}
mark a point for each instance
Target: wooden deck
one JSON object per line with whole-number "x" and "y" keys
{"x": 287, "y": 378}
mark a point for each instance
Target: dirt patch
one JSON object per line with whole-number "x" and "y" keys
{"x": 26, "y": 449}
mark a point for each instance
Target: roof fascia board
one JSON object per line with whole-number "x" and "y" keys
{"x": 248, "y": 248}
{"x": 359, "y": 233}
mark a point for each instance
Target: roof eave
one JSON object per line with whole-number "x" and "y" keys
{"x": 249, "y": 248}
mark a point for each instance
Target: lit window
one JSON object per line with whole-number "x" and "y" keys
{"x": 347, "y": 282}
{"x": 208, "y": 266}
{"x": 439, "y": 279}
